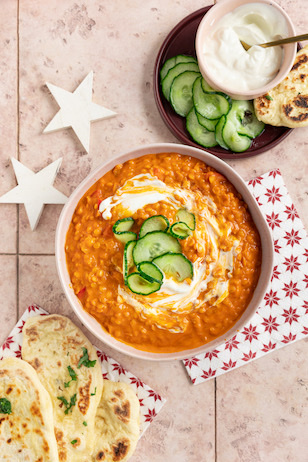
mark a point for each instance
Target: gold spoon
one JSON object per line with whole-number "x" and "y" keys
{"x": 296, "y": 38}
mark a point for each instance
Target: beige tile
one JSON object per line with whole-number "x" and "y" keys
{"x": 262, "y": 409}
{"x": 8, "y": 295}
{"x": 8, "y": 121}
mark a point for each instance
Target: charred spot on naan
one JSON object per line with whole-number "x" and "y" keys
{"x": 61, "y": 445}
{"x": 100, "y": 455}
{"x": 299, "y": 61}
{"x": 122, "y": 411}
{"x": 301, "y": 102}
{"x": 85, "y": 396}
{"x": 120, "y": 449}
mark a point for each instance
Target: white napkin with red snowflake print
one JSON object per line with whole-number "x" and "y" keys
{"x": 282, "y": 317}
{"x": 150, "y": 401}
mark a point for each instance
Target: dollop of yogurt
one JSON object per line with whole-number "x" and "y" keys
{"x": 229, "y": 63}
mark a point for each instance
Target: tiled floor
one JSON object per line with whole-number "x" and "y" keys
{"x": 258, "y": 413}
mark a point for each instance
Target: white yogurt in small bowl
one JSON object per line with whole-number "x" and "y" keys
{"x": 223, "y": 61}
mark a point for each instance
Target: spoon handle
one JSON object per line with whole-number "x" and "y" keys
{"x": 296, "y": 38}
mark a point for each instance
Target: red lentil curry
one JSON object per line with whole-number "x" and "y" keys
{"x": 202, "y": 225}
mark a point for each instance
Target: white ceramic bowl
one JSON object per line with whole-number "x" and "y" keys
{"x": 209, "y": 21}
{"x": 234, "y": 178}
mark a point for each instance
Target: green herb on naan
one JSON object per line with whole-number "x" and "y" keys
{"x": 73, "y": 376}
{"x": 67, "y": 404}
{"x": 84, "y": 360}
{"x": 5, "y": 406}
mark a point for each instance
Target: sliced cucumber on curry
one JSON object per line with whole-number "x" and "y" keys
{"x": 180, "y": 230}
{"x": 181, "y": 92}
{"x": 155, "y": 223}
{"x": 199, "y": 133}
{"x": 187, "y": 217}
{"x": 154, "y": 244}
{"x": 141, "y": 286}
{"x": 174, "y": 72}
{"x": 150, "y": 272}
{"x": 121, "y": 230}
{"x": 175, "y": 265}
{"x": 128, "y": 261}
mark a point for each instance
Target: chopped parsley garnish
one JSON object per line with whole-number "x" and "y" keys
{"x": 269, "y": 97}
{"x": 73, "y": 376}
{"x": 74, "y": 442}
{"x": 84, "y": 360}
{"x": 85, "y": 423}
{"x": 93, "y": 394}
{"x": 67, "y": 404}
{"x": 5, "y": 406}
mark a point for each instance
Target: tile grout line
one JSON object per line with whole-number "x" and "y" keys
{"x": 18, "y": 158}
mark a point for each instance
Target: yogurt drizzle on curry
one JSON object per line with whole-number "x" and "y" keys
{"x": 212, "y": 270}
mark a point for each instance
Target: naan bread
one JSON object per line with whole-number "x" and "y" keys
{"x": 287, "y": 104}
{"x": 27, "y": 433}
{"x": 116, "y": 423}
{"x": 53, "y": 344}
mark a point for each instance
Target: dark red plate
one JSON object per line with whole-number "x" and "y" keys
{"x": 181, "y": 40}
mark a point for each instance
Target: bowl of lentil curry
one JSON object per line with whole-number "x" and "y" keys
{"x": 163, "y": 252}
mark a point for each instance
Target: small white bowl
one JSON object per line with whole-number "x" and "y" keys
{"x": 209, "y": 21}
{"x": 240, "y": 185}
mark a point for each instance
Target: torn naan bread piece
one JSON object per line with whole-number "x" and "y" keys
{"x": 69, "y": 369}
{"x": 26, "y": 416}
{"x": 287, "y": 104}
{"x": 117, "y": 424}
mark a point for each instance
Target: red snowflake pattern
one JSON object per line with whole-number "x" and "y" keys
{"x": 305, "y": 306}
{"x": 273, "y": 220}
{"x": 7, "y": 343}
{"x": 305, "y": 254}
{"x": 271, "y": 298}
{"x": 305, "y": 331}
{"x": 249, "y": 356}
{"x": 305, "y": 280}
{"x": 255, "y": 181}
{"x": 291, "y": 289}
{"x": 270, "y": 324}
{"x": 291, "y": 263}
{"x": 208, "y": 374}
{"x": 291, "y": 212}
{"x": 17, "y": 353}
{"x": 290, "y": 315}
{"x": 232, "y": 343}
{"x": 32, "y": 308}
{"x": 105, "y": 376}
{"x": 136, "y": 381}
{"x": 269, "y": 347}
{"x": 117, "y": 367}
{"x": 274, "y": 172}
{"x": 276, "y": 246}
{"x": 275, "y": 274}
{"x": 150, "y": 416}
{"x": 258, "y": 201}
{"x": 141, "y": 401}
{"x": 21, "y": 327}
{"x": 191, "y": 362}
{"x": 229, "y": 365}
{"x": 292, "y": 238}
{"x": 273, "y": 195}
{"x": 288, "y": 339}
{"x": 102, "y": 356}
{"x": 250, "y": 333}
{"x": 211, "y": 354}
{"x": 154, "y": 395}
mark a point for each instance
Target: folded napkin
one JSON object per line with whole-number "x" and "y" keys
{"x": 150, "y": 401}
{"x": 282, "y": 317}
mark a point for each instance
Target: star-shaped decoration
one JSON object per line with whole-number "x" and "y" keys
{"x": 77, "y": 110}
{"x": 34, "y": 190}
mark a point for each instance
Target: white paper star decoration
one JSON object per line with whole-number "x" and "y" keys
{"x": 34, "y": 190}
{"x": 77, "y": 110}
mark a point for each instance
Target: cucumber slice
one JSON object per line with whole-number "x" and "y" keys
{"x": 128, "y": 261}
{"x": 199, "y": 133}
{"x": 181, "y": 92}
{"x": 187, "y": 217}
{"x": 243, "y": 116}
{"x": 235, "y": 141}
{"x": 175, "y": 265}
{"x": 206, "y": 87}
{"x": 141, "y": 286}
{"x": 210, "y": 125}
{"x": 218, "y": 132}
{"x": 210, "y": 105}
{"x": 185, "y": 59}
{"x": 180, "y": 230}
{"x": 167, "y": 66}
{"x": 122, "y": 225}
{"x": 126, "y": 236}
{"x": 174, "y": 72}
{"x": 154, "y": 244}
{"x": 155, "y": 223}
{"x": 150, "y": 271}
